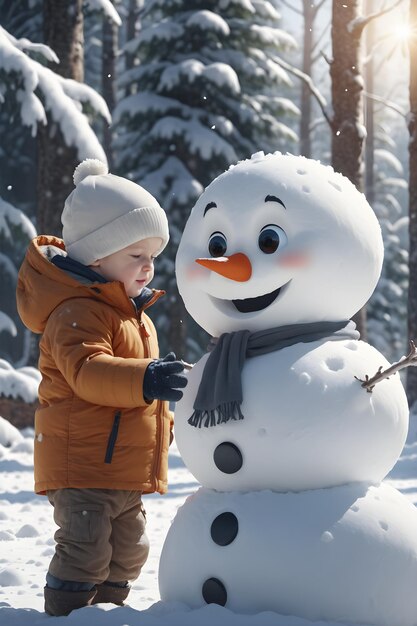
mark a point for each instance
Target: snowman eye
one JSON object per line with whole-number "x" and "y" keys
{"x": 217, "y": 244}
{"x": 271, "y": 238}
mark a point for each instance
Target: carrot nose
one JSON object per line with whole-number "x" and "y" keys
{"x": 235, "y": 267}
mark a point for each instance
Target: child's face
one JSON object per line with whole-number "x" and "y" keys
{"x": 133, "y": 265}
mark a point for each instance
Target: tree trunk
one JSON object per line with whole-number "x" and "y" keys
{"x": 369, "y": 110}
{"x": 412, "y": 127}
{"x": 131, "y": 29}
{"x": 63, "y": 32}
{"x": 305, "y": 120}
{"x": 347, "y": 100}
{"x": 108, "y": 80}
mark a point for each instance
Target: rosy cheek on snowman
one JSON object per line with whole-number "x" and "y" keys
{"x": 195, "y": 273}
{"x": 293, "y": 259}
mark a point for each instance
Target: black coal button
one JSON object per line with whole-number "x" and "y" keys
{"x": 224, "y": 529}
{"x": 214, "y": 592}
{"x": 228, "y": 458}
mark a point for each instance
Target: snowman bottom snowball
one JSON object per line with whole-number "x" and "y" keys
{"x": 344, "y": 554}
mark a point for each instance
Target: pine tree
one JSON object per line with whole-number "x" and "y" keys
{"x": 16, "y": 230}
{"x": 17, "y": 145}
{"x": 31, "y": 95}
{"x": 387, "y": 309}
{"x": 205, "y": 92}
{"x": 101, "y": 33}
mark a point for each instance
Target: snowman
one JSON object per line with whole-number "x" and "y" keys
{"x": 278, "y": 254}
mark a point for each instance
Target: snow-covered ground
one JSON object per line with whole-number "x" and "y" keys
{"x": 26, "y": 546}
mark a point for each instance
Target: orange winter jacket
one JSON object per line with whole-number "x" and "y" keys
{"x": 93, "y": 428}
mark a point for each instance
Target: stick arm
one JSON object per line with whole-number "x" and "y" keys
{"x": 408, "y": 361}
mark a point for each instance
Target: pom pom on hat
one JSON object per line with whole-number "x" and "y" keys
{"x": 89, "y": 167}
{"x": 106, "y": 213}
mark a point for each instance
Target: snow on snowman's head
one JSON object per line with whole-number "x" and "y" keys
{"x": 276, "y": 240}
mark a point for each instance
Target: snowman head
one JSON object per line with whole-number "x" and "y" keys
{"x": 276, "y": 240}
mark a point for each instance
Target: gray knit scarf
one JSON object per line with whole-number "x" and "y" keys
{"x": 219, "y": 395}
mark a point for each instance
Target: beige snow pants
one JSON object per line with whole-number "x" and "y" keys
{"x": 101, "y": 535}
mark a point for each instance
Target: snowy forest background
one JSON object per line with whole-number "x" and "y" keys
{"x": 172, "y": 92}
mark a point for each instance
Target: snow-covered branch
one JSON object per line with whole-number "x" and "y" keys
{"x": 106, "y": 7}
{"x": 39, "y": 90}
{"x": 388, "y": 103}
{"x": 313, "y": 89}
{"x": 10, "y": 215}
{"x": 356, "y": 26}
{"x": 6, "y": 265}
{"x": 24, "y": 44}
{"x": 7, "y": 325}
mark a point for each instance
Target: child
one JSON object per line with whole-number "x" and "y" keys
{"x": 103, "y": 427}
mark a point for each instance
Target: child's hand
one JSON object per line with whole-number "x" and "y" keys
{"x": 163, "y": 380}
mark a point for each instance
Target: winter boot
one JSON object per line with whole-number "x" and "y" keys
{"x": 113, "y": 593}
{"x": 58, "y": 602}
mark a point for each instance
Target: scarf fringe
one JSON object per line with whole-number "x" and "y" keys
{"x": 220, "y": 415}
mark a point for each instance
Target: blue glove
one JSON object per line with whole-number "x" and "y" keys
{"x": 163, "y": 379}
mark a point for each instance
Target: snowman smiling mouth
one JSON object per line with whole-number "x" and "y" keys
{"x": 251, "y": 305}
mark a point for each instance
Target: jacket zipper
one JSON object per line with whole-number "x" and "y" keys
{"x": 112, "y": 438}
{"x": 160, "y": 440}
{"x": 145, "y": 337}
{"x": 159, "y": 412}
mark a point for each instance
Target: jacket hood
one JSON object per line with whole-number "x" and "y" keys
{"x": 42, "y": 286}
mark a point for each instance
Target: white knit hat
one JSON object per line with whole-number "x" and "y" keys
{"x": 106, "y": 213}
